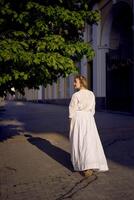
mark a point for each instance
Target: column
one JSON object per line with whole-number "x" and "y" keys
{"x": 84, "y": 66}
{"x": 99, "y": 64}
{"x": 61, "y": 88}
{"x": 49, "y": 92}
{"x": 71, "y": 87}
{"x": 55, "y": 95}
{"x": 40, "y": 93}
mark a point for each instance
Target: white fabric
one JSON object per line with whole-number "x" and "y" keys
{"x": 87, "y": 151}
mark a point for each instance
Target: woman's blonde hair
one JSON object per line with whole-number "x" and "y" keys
{"x": 83, "y": 80}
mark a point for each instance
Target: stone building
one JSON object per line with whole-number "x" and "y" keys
{"x": 111, "y": 73}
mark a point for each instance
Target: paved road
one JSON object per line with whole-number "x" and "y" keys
{"x": 35, "y": 160}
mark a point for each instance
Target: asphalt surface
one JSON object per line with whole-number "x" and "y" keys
{"x": 35, "y": 155}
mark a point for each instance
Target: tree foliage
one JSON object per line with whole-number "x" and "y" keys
{"x": 41, "y": 40}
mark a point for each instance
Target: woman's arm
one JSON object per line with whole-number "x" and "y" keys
{"x": 73, "y": 106}
{"x": 93, "y": 104}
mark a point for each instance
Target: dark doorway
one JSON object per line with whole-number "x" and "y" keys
{"x": 119, "y": 60}
{"x": 119, "y": 82}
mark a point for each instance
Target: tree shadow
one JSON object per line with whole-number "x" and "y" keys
{"x": 38, "y": 118}
{"x": 8, "y": 132}
{"x": 9, "y": 126}
{"x": 54, "y": 152}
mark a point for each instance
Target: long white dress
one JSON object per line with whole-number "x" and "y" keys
{"x": 86, "y": 148}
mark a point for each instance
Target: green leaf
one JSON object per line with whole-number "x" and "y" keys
{"x": 41, "y": 41}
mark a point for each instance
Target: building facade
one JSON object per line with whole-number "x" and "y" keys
{"x": 111, "y": 73}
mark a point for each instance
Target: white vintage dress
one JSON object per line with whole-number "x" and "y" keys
{"x": 86, "y": 148}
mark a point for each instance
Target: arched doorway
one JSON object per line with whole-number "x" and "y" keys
{"x": 119, "y": 60}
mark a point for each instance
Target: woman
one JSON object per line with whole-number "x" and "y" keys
{"x": 86, "y": 149}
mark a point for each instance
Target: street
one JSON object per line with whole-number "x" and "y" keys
{"x": 35, "y": 155}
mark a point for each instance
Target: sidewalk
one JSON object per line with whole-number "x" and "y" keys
{"x": 35, "y": 160}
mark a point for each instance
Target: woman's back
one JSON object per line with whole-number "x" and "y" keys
{"x": 83, "y": 100}
{"x": 86, "y": 100}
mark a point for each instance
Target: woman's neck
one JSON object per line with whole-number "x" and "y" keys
{"x": 82, "y": 88}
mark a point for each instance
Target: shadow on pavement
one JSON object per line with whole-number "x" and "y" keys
{"x": 8, "y": 131}
{"x": 37, "y": 118}
{"x": 120, "y": 150}
{"x": 9, "y": 125}
{"x": 54, "y": 152}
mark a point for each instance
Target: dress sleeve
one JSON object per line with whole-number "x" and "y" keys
{"x": 93, "y": 104}
{"x": 73, "y": 105}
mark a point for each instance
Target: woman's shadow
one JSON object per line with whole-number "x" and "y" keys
{"x": 54, "y": 152}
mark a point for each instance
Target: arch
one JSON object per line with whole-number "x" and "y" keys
{"x": 106, "y": 27}
{"x": 105, "y": 30}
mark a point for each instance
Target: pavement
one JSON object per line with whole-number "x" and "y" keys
{"x": 35, "y": 155}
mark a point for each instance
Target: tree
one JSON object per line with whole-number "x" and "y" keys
{"x": 41, "y": 40}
